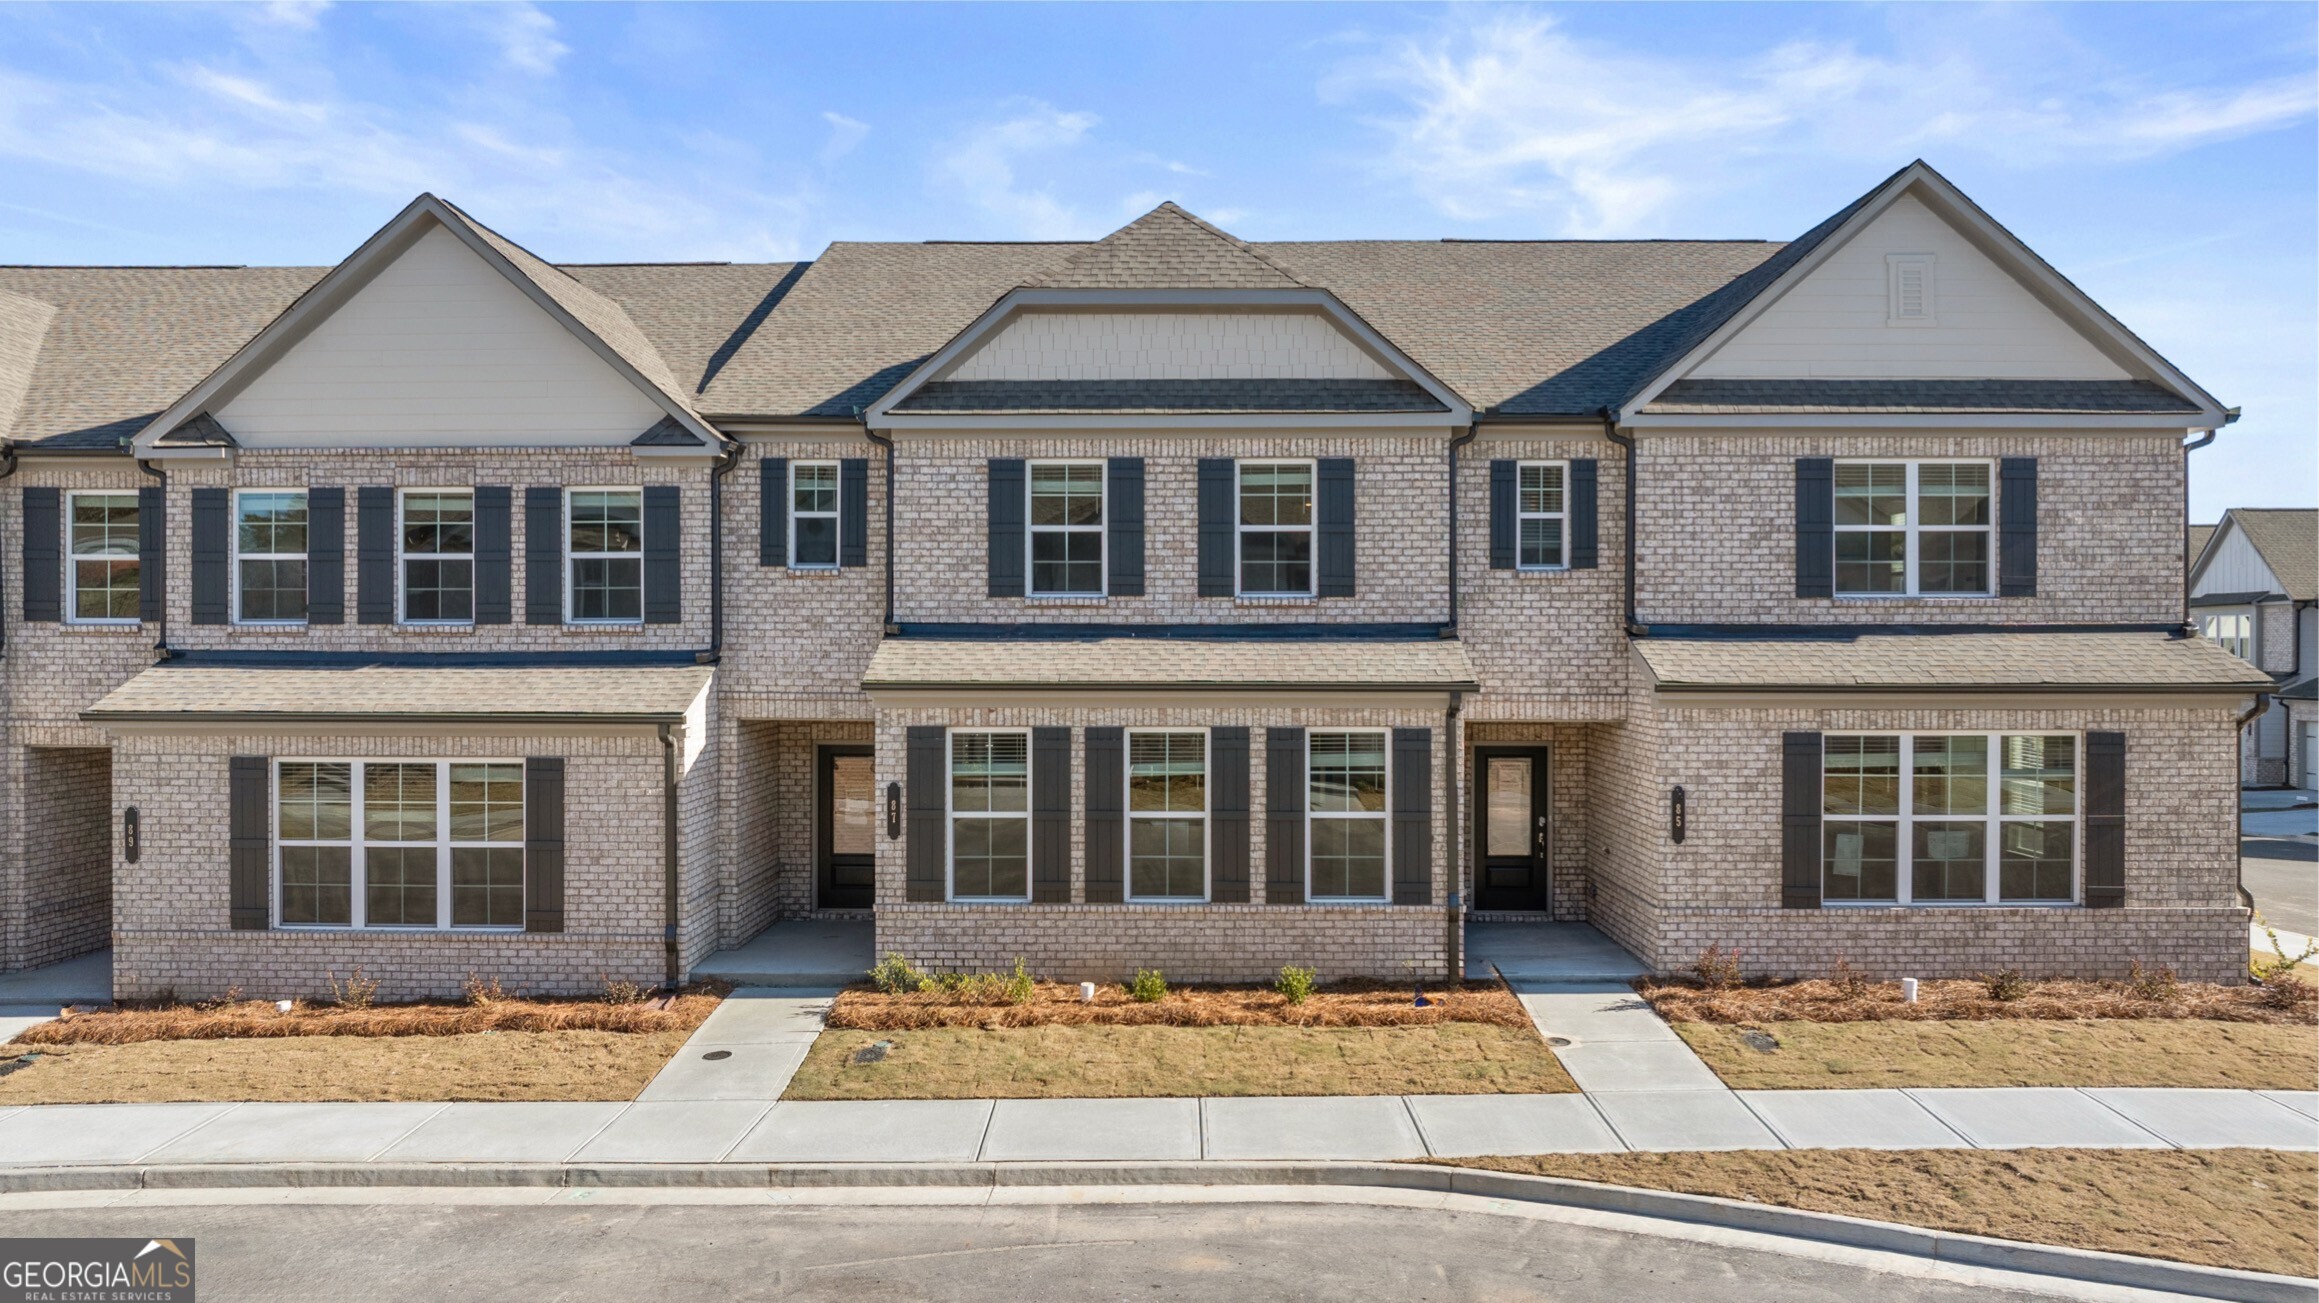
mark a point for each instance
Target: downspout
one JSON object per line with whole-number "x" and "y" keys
{"x": 1633, "y": 472}
{"x": 725, "y": 464}
{"x": 886, "y": 445}
{"x": 668, "y": 864}
{"x": 1455, "y": 914}
{"x": 1449, "y": 630}
{"x": 161, "y": 644}
{"x": 7, "y": 468}
{"x": 2229, "y": 415}
{"x": 2262, "y": 699}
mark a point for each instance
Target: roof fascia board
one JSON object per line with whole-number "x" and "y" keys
{"x": 1204, "y": 423}
{"x": 156, "y": 725}
{"x": 2006, "y": 698}
{"x": 1975, "y": 421}
{"x": 970, "y": 697}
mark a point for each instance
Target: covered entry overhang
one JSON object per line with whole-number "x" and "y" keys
{"x": 1099, "y": 665}
{"x": 375, "y": 698}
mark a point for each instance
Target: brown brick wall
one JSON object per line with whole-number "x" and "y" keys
{"x": 64, "y": 907}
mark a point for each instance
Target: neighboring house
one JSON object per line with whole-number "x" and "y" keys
{"x": 2254, "y": 592}
{"x": 1167, "y": 601}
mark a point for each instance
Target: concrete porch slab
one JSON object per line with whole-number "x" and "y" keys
{"x": 87, "y": 979}
{"x": 1461, "y": 1126}
{"x": 1850, "y": 1119}
{"x": 1654, "y": 1065}
{"x": 97, "y": 1133}
{"x": 530, "y": 1132}
{"x": 1684, "y": 1119}
{"x": 1591, "y": 1012}
{"x": 758, "y": 1072}
{"x": 2213, "y": 1119}
{"x": 1551, "y": 951}
{"x": 292, "y": 1133}
{"x": 690, "y": 1132}
{"x": 801, "y": 952}
{"x": 1069, "y": 1130}
{"x": 868, "y": 1131}
{"x": 1311, "y": 1127}
{"x": 2034, "y": 1117}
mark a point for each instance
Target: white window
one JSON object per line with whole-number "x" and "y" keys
{"x": 1949, "y": 819}
{"x": 606, "y": 558}
{"x": 1345, "y": 816}
{"x": 1541, "y": 513}
{"x": 990, "y": 815}
{"x": 1906, "y": 529}
{"x": 1167, "y": 815}
{"x": 1909, "y": 289}
{"x": 2233, "y": 631}
{"x": 103, "y": 567}
{"x": 438, "y": 556}
{"x": 813, "y": 515}
{"x": 1276, "y": 528}
{"x": 398, "y": 844}
{"x": 1066, "y": 529}
{"x": 270, "y": 556}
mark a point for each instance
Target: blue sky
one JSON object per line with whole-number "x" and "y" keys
{"x": 2164, "y": 157}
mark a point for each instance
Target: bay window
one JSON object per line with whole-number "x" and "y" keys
{"x": 1970, "y": 818}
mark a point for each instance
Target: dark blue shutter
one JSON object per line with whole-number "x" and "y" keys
{"x": 2105, "y": 820}
{"x": 494, "y": 554}
{"x": 212, "y": 532}
{"x": 43, "y": 555}
{"x": 1585, "y": 530}
{"x": 1412, "y": 816}
{"x": 374, "y": 555}
{"x": 1228, "y": 815}
{"x": 543, "y": 844}
{"x": 1815, "y": 528}
{"x": 1216, "y": 527}
{"x": 926, "y": 872}
{"x": 1284, "y": 816}
{"x": 1505, "y": 514}
{"x": 773, "y": 511}
{"x": 249, "y": 846}
{"x": 663, "y": 553}
{"x": 853, "y": 512}
{"x": 1334, "y": 503}
{"x": 543, "y": 555}
{"x": 1005, "y": 514}
{"x": 1105, "y": 850}
{"x": 1051, "y": 815}
{"x": 1800, "y": 806}
{"x": 2017, "y": 532}
{"x": 1123, "y": 527}
{"x": 152, "y": 553}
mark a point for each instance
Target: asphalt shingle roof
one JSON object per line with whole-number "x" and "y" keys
{"x": 2194, "y": 540}
{"x": 1167, "y": 249}
{"x": 2288, "y": 538}
{"x": 606, "y": 695}
{"x": 2020, "y": 661}
{"x": 2066, "y": 397}
{"x": 1118, "y": 396}
{"x": 1127, "y": 663}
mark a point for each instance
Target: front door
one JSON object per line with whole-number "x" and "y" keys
{"x": 1510, "y": 829}
{"x": 847, "y": 836}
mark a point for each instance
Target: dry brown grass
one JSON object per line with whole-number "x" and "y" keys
{"x": 2250, "y": 1209}
{"x": 1049, "y": 1062}
{"x": 572, "y": 1065}
{"x": 1053, "y": 1004}
{"x": 1820, "y": 1000}
{"x": 259, "y": 1019}
{"x": 2042, "y": 1052}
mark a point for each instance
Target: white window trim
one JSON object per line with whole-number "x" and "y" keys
{"x": 1311, "y": 530}
{"x": 1893, "y": 265}
{"x": 235, "y": 556}
{"x": 72, "y": 576}
{"x": 571, "y": 558}
{"x": 2247, "y": 614}
{"x": 1383, "y": 817}
{"x": 1912, "y": 529}
{"x": 1101, "y": 529}
{"x": 402, "y": 575}
{"x": 357, "y": 885}
{"x": 1904, "y": 884}
{"x": 1560, "y": 518}
{"x": 836, "y": 515}
{"x": 1127, "y": 828}
{"x": 952, "y": 815}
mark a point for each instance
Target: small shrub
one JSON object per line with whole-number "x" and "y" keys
{"x": 621, "y": 991}
{"x": 1149, "y": 986}
{"x": 356, "y": 992}
{"x": 1716, "y": 969}
{"x": 484, "y": 992}
{"x": 1019, "y": 985}
{"x": 895, "y": 975}
{"x": 2263, "y": 970}
{"x": 2157, "y": 987}
{"x": 1295, "y": 984}
{"x": 232, "y": 997}
{"x": 2005, "y": 986}
{"x": 1849, "y": 981}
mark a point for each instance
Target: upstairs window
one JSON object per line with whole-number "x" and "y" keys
{"x": 990, "y": 815}
{"x": 813, "y": 515}
{"x": 270, "y": 556}
{"x": 1346, "y": 816}
{"x": 2233, "y": 632}
{"x": 1276, "y": 529}
{"x": 1913, "y": 528}
{"x": 1543, "y": 514}
{"x": 1066, "y": 529}
{"x": 438, "y": 548}
{"x": 1969, "y": 818}
{"x": 104, "y": 568}
{"x": 607, "y": 556}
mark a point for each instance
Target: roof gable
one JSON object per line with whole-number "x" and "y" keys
{"x": 2261, "y": 549}
{"x": 1167, "y": 249}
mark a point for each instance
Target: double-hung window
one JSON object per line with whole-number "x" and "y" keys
{"x": 1346, "y": 815}
{"x": 1167, "y": 815}
{"x": 270, "y": 556}
{"x": 1543, "y": 515}
{"x": 438, "y": 556}
{"x": 990, "y": 815}
{"x": 399, "y": 844}
{"x": 607, "y": 556}
{"x": 2234, "y": 632}
{"x": 1066, "y": 529}
{"x": 1958, "y": 818}
{"x": 1276, "y": 528}
{"x": 1909, "y": 529}
{"x": 813, "y": 515}
{"x": 104, "y": 569}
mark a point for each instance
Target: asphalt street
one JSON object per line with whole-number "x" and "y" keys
{"x": 575, "y": 1253}
{"x": 2283, "y": 876}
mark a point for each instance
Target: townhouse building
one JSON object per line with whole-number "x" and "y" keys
{"x": 2254, "y": 591}
{"x": 1167, "y": 601}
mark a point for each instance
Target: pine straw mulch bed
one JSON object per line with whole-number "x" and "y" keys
{"x": 131, "y": 1023}
{"x": 1339, "y": 1004}
{"x": 1819, "y": 1000}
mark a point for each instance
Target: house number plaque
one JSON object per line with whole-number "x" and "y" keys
{"x": 1677, "y": 818}
{"x": 893, "y": 811}
{"x": 132, "y": 837}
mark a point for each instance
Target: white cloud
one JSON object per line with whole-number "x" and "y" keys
{"x": 844, "y": 134}
{"x": 983, "y": 164}
{"x": 305, "y": 15}
{"x": 526, "y": 36}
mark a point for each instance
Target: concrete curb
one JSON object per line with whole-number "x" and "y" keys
{"x": 1826, "y": 1228}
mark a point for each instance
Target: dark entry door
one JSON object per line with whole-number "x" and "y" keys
{"x": 847, "y": 836}
{"x": 1510, "y": 828}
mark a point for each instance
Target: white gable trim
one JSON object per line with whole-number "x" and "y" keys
{"x": 2050, "y": 287}
{"x": 2214, "y": 547}
{"x": 346, "y": 280}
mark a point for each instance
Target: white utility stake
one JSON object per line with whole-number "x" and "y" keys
{"x": 1087, "y": 993}
{"x": 284, "y": 1005}
{"x": 1908, "y": 989}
